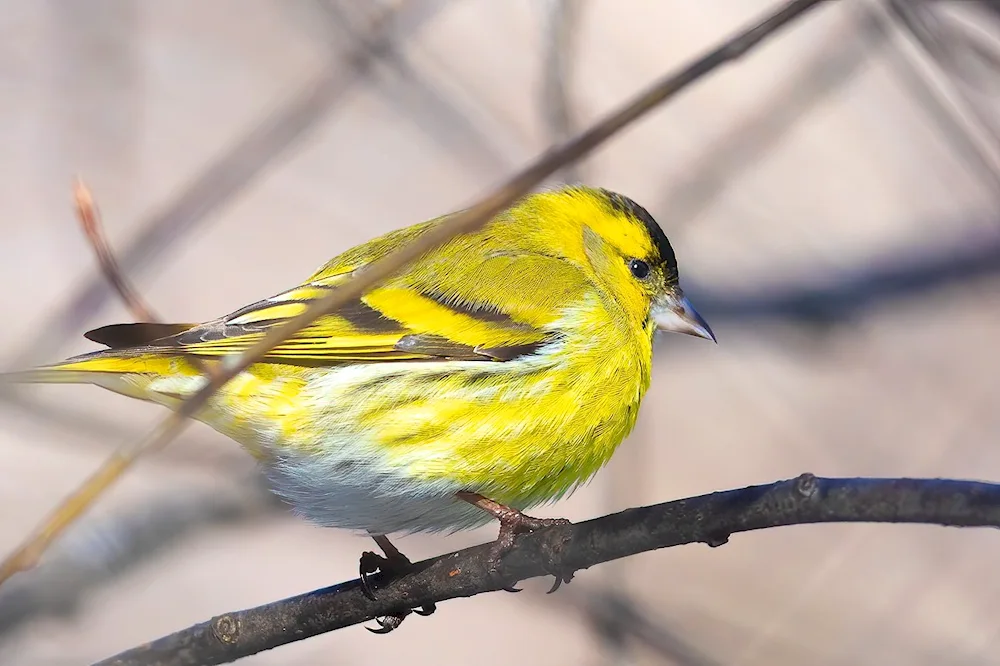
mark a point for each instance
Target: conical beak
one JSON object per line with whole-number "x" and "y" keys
{"x": 675, "y": 313}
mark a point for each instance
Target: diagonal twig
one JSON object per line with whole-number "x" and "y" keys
{"x": 30, "y": 551}
{"x": 90, "y": 220}
{"x": 709, "y": 519}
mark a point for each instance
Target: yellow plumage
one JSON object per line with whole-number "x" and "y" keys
{"x": 510, "y": 363}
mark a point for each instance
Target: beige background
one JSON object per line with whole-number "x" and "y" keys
{"x": 816, "y": 159}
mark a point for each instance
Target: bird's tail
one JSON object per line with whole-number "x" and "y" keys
{"x": 124, "y": 371}
{"x": 132, "y": 351}
{"x": 46, "y": 375}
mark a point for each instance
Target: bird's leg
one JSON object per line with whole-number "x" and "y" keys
{"x": 393, "y": 564}
{"x": 512, "y": 523}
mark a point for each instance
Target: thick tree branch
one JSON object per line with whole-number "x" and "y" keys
{"x": 709, "y": 519}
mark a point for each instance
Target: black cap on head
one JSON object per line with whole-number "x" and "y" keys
{"x": 624, "y": 205}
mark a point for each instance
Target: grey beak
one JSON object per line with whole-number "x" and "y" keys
{"x": 675, "y": 313}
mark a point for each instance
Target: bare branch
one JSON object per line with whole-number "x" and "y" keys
{"x": 709, "y": 519}
{"x": 90, "y": 220}
{"x": 28, "y": 554}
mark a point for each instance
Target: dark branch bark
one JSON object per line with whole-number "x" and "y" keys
{"x": 709, "y": 519}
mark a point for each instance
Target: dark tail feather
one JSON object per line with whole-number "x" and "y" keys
{"x": 123, "y": 336}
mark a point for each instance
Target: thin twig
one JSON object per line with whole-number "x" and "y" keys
{"x": 90, "y": 220}
{"x": 28, "y": 554}
{"x": 709, "y": 519}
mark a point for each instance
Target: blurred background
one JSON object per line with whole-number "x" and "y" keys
{"x": 833, "y": 199}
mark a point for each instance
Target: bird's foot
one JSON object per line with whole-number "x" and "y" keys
{"x": 392, "y": 565}
{"x": 512, "y": 523}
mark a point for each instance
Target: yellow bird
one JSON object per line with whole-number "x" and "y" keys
{"x": 496, "y": 373}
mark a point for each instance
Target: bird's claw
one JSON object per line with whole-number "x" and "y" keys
{"x": 426, "y": 609}
{"x": 396, "y": 565}
{"x": 388, "y": 623}
{"x": 517, "y": 523}
{"x": 560, "y": 579}
{"x": 369, "y": 564}
{"x": 512, "y": 524}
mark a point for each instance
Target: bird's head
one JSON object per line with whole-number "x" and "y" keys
{"x": 629, "y": 253}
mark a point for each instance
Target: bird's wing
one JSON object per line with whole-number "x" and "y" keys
{"x": 459, "y": 302}
{"x": 395, "y": 322}
{"x": 421, "y": 327}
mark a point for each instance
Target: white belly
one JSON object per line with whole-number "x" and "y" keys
{"x": 366, "y": 495}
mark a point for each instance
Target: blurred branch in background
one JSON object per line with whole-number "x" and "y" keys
{"x": 562, "y": 550}
{"x": 429, "y": 108}
{"x": 562, "y": 18}
{"x": 926, "y": 49}
{"x": 624, "y": 623}
{"x": 966, "y": 41}
{"x": 719, "y": 165}
{"x": 906, "y": 272}
{"x": 98, "y": 551}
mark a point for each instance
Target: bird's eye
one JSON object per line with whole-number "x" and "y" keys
{"x": 639, "y": 268}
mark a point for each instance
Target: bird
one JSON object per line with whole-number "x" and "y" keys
{"x": 494, "y": 374}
